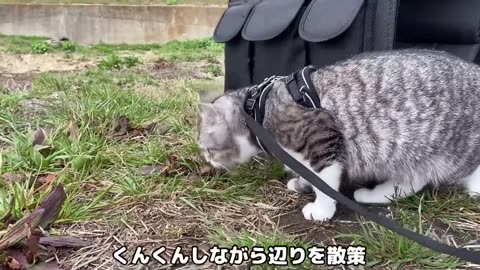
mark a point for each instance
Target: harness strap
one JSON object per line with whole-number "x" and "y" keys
{"x": 302, "y": 89}
{"x": 255, "y": 104}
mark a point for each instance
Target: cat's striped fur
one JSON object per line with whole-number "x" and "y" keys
{"x": 409, "y": 117}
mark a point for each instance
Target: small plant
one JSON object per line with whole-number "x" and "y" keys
{"x": 110, "y": 62}
{"x": 214, "y": 69}
{"x": 172, "y": 2}
{"x": 131, "y": 61}
{"x": 41, "y": 47}
{"x": 113, "y": 61}
{"x": 68, "y": 46}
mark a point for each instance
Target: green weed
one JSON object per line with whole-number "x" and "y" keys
{"x": 214, "y": 69}
{"x": 68, "y": 46}
{"x": 113, "y": 61}
{"x": 40, "y": 47}
{"x": 19, "y": 44}
{"x": 179, "y": 51}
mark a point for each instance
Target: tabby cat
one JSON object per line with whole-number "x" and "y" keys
{"x": 411, "y": 117}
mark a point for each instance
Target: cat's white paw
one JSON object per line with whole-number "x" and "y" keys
{"x": 299, "y": 185}
{"x": 362, "y": 195}
{"x": 473, "y": 188}
{"x": 365, "y": 195}
{"x": 292, "y": 184}
{"x": 319, "y": 212}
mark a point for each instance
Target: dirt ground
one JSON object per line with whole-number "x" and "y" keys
{"x": 39, "y": 63}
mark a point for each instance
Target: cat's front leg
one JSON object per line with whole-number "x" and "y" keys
{"x": 386, "y": 192}
{"x": 324, "y": 207}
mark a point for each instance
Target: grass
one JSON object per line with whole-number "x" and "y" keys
{"x": 386, "y": 248}
{"x": 175, "y": 51}
{"x": 20, "y": 44}
{"x": 264, "y": 242}
{"x": 179, "y": 51}
{"x": 113, "y": 61}
{"x": 98, "y": 172}
{"x": 108, "y": 193}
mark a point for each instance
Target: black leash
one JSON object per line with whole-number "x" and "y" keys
{"x": 275, "y": 149}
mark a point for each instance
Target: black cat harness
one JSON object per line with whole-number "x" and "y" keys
{"x": 299, "y": 85}
{"x": 302, "y": 90}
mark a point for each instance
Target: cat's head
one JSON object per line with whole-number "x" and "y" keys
{"x": 222, "y": 134}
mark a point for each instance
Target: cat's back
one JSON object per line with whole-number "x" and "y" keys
{"x": 395, "y": 77}
{"x": 401, "y": 64}
{"x": 403, "y": 106}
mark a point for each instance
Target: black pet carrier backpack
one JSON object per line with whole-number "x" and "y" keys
{"x": 265, "y": 38}
{"x": 277, "y": 37}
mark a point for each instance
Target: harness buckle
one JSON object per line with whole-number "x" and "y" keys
{"x": 250, "y": 104}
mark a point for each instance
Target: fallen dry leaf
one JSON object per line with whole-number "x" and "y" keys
{"x": 16, "y": 259}
{"x": 43, "y": 216}
{"x": 48, "y": 179}
{"x": 207, "y": 171}
{"x": 39, "y": 137}
{"x": 63, "y": 241}
{"x": 162, "y": 64}
{"x": 193, "y": 177}
{"x": 13, "y": 264}
{"x": 44, "y": 181}
{"x": 172, "y": 159}
{"x": 155, "y": 128}
{"x": 121, "y": 125}
{"x": 33, "y": 248}
{"x": 19, "y": 230}
{"x": 122, "y": 129}
{"x": 12, "y": 177}
{"x": 52, "y": 205}
{"x": 156, "y": 168}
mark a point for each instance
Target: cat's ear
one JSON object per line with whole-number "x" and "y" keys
{"x": 209, "y": 111}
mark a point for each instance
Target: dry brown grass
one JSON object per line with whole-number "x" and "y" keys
{"x": 154, "y": 223}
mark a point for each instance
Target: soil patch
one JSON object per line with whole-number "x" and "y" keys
{"x": 16, "y": 81}
{"x": 40, "y": 63}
